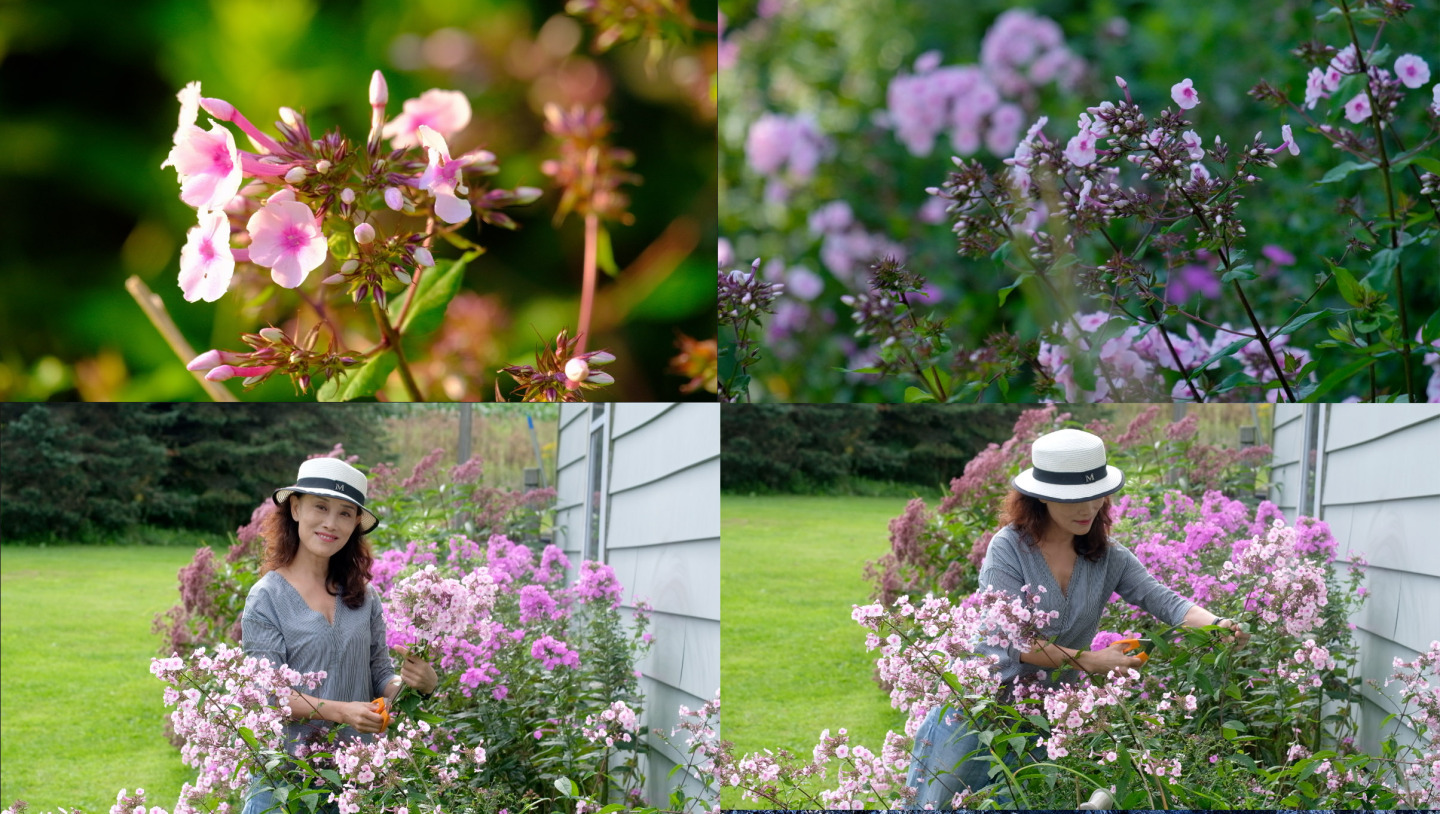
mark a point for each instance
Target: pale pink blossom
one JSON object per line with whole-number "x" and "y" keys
{"x": 206, "y": 262}
{"x": 207, "y": 163}
{"x": 442, "y": 177}
{"x": 285, "y": 238}
{"x": 1357, "y": 109}
{"x": 1315, "y": 89}
{"x": 1185, "y": 95}
{"x": 447, "y": 112}
{"x": 1193, "y": 145}
{"x": 1412, "y": 70}
{"x": 1080, "y": 151}
{"x": 1287, "y": 141}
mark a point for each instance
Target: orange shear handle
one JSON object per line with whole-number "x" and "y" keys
{"x": 1131, "y": 645}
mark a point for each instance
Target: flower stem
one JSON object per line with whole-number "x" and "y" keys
{"x": 392, "y": 339}
{"x": 154, "y": 308}
{"x": 587, "y": 291}
{"x": 1375, "y": 114}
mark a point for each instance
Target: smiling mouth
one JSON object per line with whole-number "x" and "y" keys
{"x": 329, "y": 538}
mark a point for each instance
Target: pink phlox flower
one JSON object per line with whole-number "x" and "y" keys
{"x": 1357, "y": 109}
{"x": 206, "y": 262}
{"x": 1315, "y": 88}
{"x": 1080, "y": 151}
{"x": 1344, "y": 62}
{"x": 442, "y": 176}
{"x": 1193, "y": 144}
{"x": 285, "y": 238}
{"x": 207, "y": 163}
{"x": 447, "y": 112}
{"x": 1412, "y": 70}
{"x": 1184, "y": 94}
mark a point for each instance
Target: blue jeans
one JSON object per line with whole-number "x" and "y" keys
{"x": 942, "y": 764}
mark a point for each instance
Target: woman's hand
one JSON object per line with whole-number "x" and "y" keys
{"x": 360, "y": 715}
{"x": 417, "y": 673}
{"x": 1241, "y": 638}
{"x": 1110, "y": 660}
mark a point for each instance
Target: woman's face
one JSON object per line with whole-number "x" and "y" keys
{"x": 326, "y": 523}
{"x": 1076, "y": 518}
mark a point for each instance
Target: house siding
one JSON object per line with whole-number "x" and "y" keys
{"x": 662, "y": 536}
{"x": 1377, "y": 485}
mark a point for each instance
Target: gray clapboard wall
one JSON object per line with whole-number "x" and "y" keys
{"x": 638, "y": 487}
{"x": 1372, "y": 471}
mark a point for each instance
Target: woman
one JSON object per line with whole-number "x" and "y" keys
{"x": 313, "y": 609}
{"x": 1056, "y": 537}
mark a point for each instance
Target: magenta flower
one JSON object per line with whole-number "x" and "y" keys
{"x": 207, "y": 163}
{"x": 1081, "y": 149}
{"x": 1412, "y": 70}
{"x": 206, "y": 262}
{"x": 1184, "y": 94}
{"x": 447, "y": 112}
{"x": 442, "y": 177}
{"x": 1358, "y": 108}
{"x": 286, "y": 239}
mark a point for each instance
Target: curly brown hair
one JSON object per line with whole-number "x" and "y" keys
{"x": 1029, "y": 515}
{"x": 349, "y": 572}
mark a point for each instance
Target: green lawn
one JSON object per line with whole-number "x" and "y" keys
{"x": 82, "y": 716}
{"x": 792, "y": 662}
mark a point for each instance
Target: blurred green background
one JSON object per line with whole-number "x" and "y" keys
{"x": 87, "y": 109}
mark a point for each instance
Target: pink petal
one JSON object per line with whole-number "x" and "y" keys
{"x": 450, "y": 208}
{"x": 206, "y": 263}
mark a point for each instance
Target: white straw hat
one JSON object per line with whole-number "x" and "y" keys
{"x": 332, "y": 477}
{"x": 1069, "y": 467}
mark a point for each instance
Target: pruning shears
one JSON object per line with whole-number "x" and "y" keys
{"x": 1132, "y": 645}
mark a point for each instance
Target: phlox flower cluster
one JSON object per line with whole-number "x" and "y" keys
{"x": 1077, "y": 711}
{"x": 617, "y": 723}
{"x": 426, "y": 607}
{"x": 597, "y": 584}
{"x": 1410, "y": 71}
{"x": 846, "y": 247}
{"x": 125, "y": 803}
{"x": 779, "y": 145}
{"x": 918, "y": 644}
{"x": 1421, "y": 679}
{"x": 863, "y": 779}
{"x": 215, "y": 696}
{"x": 1307, "y": 666}
{"x": 1285, "y": 587}
{"x": 982, "y": 104}
{"x": 1129, "y": 364}
{"x": 553, "y": 653}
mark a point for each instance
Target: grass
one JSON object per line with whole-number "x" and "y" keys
{"x": 792, "y": 662}
{"x": 82, "y": 716}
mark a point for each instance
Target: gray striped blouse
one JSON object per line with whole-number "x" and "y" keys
{"x": 1012, "y": 562}
{"x": 279, "y": 626}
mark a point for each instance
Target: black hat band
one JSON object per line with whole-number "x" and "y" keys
{"x": 1071, "y": 478}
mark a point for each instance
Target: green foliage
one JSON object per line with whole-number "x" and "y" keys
{"x": 835, "y": 449}
{"x": 75, "y": 471}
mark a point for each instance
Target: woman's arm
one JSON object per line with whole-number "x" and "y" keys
{"x": 1053, "y": 656}
{"x": 357, "y": 714}
{"x": 1199, "y": 617}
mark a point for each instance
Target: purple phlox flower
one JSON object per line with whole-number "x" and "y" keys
{"x": 207, "y": 162}
{"x": 1184, "y": 94}
{"x": 1081, "y": 149}
{"x": 1357, "y": 109}
{"x": 447, "y": 112}
{"x": 1345, "y": 62}
{"x": 1278, "y": 255}
{"x": 553, "y": 653}
{"x": 285, "y": 238}
{"x": 1192, "y": 279}
{"x": 597, "y": 582}
{"x": 804, "y": 283}
{"x": 206, "y": 262}
{"x": 442, "y": 176}
{"x": 226, "y": 112}
{"x": 1287, "y": 141}
{"x": 1412, "y": 70}
{"x": 1315, "y": 88}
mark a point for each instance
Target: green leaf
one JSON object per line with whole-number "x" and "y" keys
{"x": 360, "y": 382}
{"x": 605, "y": 254}
{"x": 1242, "y": 272}
{"x": 1301, "y": 320}
{"x": 1335, "y": 379}
{"x": 437, "y": 287}
{"x": 1224, "y": 352}
{"x": 1005, "y": 292}
{"x": 1384, "y": 263}
{"x": 1429, "y": 163}
{"x": 1344, "y": 169}
{"x": 1431, "y": 331}
{"x": 914, "y": 395}
{"x": 249, "y": 737}
{"x": 1237, "y": 726}
{"x": 565, "y": 786}
{"x": 1349, "y": 287}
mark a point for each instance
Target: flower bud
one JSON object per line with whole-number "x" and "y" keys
{"x": 349, "y": 266}
{"x": 403, "y": 277}
{"x": 393, "y": 198}
{"x": 220, "y": 374}
{"x": 576, "y": 370}
{"x": 601, "y": 357}
{"x": 333, "y": 279}
{"x": 379, "y": 93}
{"x": 347, "y": 196}
{"x": 295, "y": 175}
{"x": 205, "y": 361}
{"x": 423, "y": 256}
{"x": 273, "y": 334}
{"x": 290, "y": 117}
{"x": 322, "y": 166}
{"x": 364, "y": 233}
{"x": 527, "y": 195}
{"x": 1121, "y": 82}
{"x": 219, "y": 108}
{"x": 600, "y": 377}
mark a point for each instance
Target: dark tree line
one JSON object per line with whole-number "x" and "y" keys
{"x": 824, "y": 448}
{"x": 75, "y": 471}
